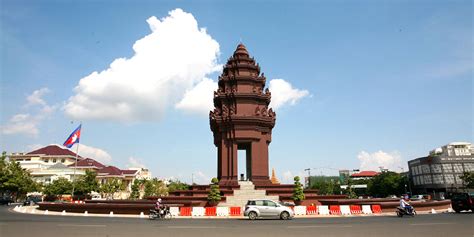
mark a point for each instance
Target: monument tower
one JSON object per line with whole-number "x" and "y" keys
{"x": 241, "y": 120}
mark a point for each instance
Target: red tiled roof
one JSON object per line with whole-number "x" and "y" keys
{"x": 52, "y": 150}
{"x": 365, "y": 174}
{"x": 88, "y": 162}
{"x": 110, "y": 170}
{"x": 129, "y": 171}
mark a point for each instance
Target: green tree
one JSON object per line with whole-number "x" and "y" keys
{"x": 155, "y": 188}
{"x": 137, "y": 183}
{"x": 176, "y": 185}
{"x": 86, "y": 184}
{"x": 14, "y": 179}
{"x": 387, "y": 183}
{"x": 214, "y": 195}
{"x": 350, "y": 190}
{"x": 326, "y": 185}
{"x": 112, "y": 186}
{"x": 59, "y": 186}
{"x": 468, "y": 179}
{"x": 298, "y": 194}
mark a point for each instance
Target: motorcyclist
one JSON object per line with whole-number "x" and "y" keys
{"x": 405, "y": 205}
{"x": 158, "y": 205}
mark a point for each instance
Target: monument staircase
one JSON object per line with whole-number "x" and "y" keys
{"x": 246, "y": 192}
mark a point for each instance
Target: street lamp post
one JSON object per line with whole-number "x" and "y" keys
{"x": 309, "y": 176}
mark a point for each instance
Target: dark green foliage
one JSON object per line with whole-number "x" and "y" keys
{"x": 298, "y": 194}
{"x": 468, "y": 179}
{"x": 214, "y": 195}
{"x": 86, "y": 184}
{"x": 176, "y": 185}
{"x": 14, "y": 179}
{"x": 155, "y": 188}
{"x": 112, "y": 186}
{"x": 387, "y": 183}
{"x": 326, "y": 185}
{"x": 135, "y": 194}
{"x": 59, "y": 186}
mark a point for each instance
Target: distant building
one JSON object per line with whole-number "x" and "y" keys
{"x": 52, "y": 162}
{"x": 440, "y": 171}
{"x": 364, "y": 175}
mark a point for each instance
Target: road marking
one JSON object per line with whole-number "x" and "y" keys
{"x": 192, "y": 227}
{"x": 432, "y": 224}
{"x": 320, "y": 226}
{"x": 75, "y": 225}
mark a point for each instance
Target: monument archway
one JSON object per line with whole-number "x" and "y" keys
{"x": 241, "y": 120}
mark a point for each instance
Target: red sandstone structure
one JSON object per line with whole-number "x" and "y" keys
{"x": 241, "y": 120}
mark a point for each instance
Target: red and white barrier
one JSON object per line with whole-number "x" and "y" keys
{"x": 222, "y": 211}
{"x": 311, "y": 210}
{"x": 366, "y": 209}
{"x": 211, "y": 211}
{"x": 334, "y": 210}
{"x": 356, "y": 209}
{"x": 198, "y": 211}
{"x": 323, "y": 210}
{"x": 174, "y": 211}
{"x": 345, "y": 210}
{"x": 300, "y": 210}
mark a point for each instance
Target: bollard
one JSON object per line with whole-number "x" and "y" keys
{"x": 111, "y": 213}
{"x": 86, "y": 213}
{"x": 46, "y": 212}
{"x": 63, "y": 213}
{"x": 142, "y": 215}
{"x": 433, "y": 211}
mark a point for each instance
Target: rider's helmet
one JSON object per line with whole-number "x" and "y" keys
{"x": 159, "y": 200}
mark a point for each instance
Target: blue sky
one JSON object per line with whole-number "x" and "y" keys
{"x": 368, "y": 83}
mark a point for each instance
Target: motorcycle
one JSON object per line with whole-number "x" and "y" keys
{"x": 403, "y": 212}
{"x": 162, "y": 213}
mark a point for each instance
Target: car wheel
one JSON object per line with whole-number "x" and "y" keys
{"x": 284, "y": 215}
{"x": 252, "y": 215}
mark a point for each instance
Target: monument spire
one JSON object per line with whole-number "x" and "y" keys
{"x": 242, "y": 119}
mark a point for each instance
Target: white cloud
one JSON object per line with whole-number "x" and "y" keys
{"x": 201, "y": 178}
{"x": 283, "y": 93}
{"x": 170, "y": 61}
{"x": 36, "y": 97}
{"x": 199, "y": 99}
{"x": 373, "y": 161}
{"x": 27, "y": 123}
{"x": 92, "y": 152}
{"x": 135, "y": 163}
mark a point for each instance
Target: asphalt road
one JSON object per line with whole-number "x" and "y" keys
{"x": 14, "y": 224}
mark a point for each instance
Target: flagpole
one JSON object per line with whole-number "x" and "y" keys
{"x": 75, "y": 166}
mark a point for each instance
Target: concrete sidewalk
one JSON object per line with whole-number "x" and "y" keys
{"x": 34, "y": 211}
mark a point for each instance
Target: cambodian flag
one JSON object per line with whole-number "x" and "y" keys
{"x": 73, "y": 138}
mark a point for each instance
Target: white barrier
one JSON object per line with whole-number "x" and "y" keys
{"x": 300, "y": 210}
{"x": 198, "y": 211}
{"x": 174, "y": 211}
{"x": 366, "y": 209}
{"x": 33, "y": 211}
{"x": 46, "y": 212}
{"x": 63, "y": 213}
{"x": 86, "y": 213}
{"x": 323, "y": 210}
{"x": 345, "y": 210}
{"x": 222, "y": 211}
{"x": 142, "y": 215}
{"x": 111, "y": 214}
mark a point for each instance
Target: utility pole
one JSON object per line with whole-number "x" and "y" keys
{"x": 309, "y": 176}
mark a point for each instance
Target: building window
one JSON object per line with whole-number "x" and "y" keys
{"x": 436, "y": 168}
{"x": 54, "y": 160}
{"x": 469, "y": 167}
{"x": 448, "y": 168}
{"x": 29, "y": 159}
{"x": 449, "y": 178}
{"x": 418, "y": 170}
{"x": 420, "y": 180}
{"x": 425, "y": 169}
{"x": 415, "y": 181}
{"x": 457, "y": 168}
{"x": 427, "y": 179}
{"x": 413, "y": 171}
{"x": 458, "y": 179}
{"x": 63, "y": 160}
{"x": 438, "y": 179}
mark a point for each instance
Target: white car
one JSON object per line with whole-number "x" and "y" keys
{"x": 263, "y": 208}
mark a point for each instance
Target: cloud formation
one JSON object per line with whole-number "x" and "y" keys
{"x": 27, "y": 123}
{"x": 135, "y": 163}
{"x": 283, "y": 93}
{"x": 373, "y": 161}
{"x": 171, "y": 60}
{"x": 199, "y": 100}
{"x": 93, "y": 152}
